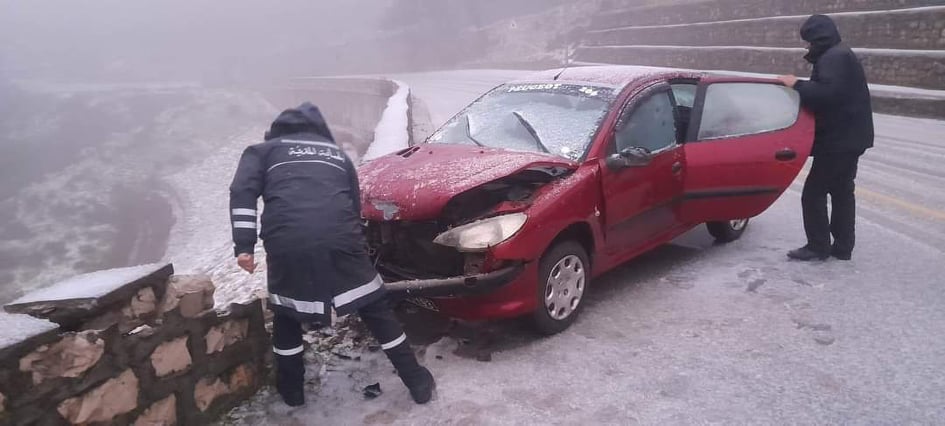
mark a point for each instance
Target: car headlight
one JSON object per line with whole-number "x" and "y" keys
{"x": 479, "y": 236}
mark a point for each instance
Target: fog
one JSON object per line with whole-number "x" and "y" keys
{"x": 109, "y": 40}
{"x": 107, "y": 105}
{"x": 214, "y": 40}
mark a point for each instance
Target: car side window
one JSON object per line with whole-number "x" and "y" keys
{"x": 685, "y": 94}
{"x": 740, "y": 109}
{"x": 650, "y": 125}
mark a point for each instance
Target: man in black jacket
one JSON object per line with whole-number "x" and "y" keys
{"x": 315, "y": 246}
{"x": 839, "y": 97}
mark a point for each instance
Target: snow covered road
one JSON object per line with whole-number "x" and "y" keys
{"x": 695, "y": 333}
{"x": 901, "y": 180}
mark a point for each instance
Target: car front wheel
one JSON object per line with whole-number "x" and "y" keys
{"x": 563, "y": 276}
{"x": 727, "y": 231}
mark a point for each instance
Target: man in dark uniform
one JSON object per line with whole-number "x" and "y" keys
{"x": 315, "y": 246}
{"x": 839, "y": 97}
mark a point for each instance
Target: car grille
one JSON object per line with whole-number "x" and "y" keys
{"x": 405, "y": 251}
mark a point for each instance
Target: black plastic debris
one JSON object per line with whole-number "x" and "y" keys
{"x": 372, "y": 391}
{"x": 346, "y": 355}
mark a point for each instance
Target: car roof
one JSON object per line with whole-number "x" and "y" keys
{"x": 616, "y": 76}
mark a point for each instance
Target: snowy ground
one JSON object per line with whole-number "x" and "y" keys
{"x": 693, "y": 332}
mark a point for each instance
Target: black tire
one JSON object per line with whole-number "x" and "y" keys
{"x": 727, "y": 231}
{"x": 542, "y": 319}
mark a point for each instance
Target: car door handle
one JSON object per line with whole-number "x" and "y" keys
{"x": 677, "y": 168}
{"x": 786, "y": 154}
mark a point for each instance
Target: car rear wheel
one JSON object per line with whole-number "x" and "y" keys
{"x": 727, "y": 231}
{"x": 562, "y": 276}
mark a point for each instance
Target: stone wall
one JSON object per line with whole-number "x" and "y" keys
{"x": 900, "y": 42}
{"x": 130, "y": 346}
{"x": 917, "y": 29}
{"x": 882, "y": 67}
{"x": 912, "y": 106}
{"x": 726, "y": 10}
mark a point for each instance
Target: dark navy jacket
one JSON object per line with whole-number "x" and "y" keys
{"x": 308, "y": 184}
{"x": 311, "y": 225}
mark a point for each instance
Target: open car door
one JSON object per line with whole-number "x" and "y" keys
{"x": 747, "y": 141}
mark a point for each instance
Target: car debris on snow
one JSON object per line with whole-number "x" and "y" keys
{"x": 372, "y": 391}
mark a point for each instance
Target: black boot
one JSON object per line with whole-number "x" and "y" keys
{"x": 416, "y": 377}
{"x": 289, "y": 380}
{"x": 290, "y": 367}
{"x": 293, "y": 399}
{"x": 840, "y": 254}
{"x": 807, "y": 254}
{"x": 422, "y": 386}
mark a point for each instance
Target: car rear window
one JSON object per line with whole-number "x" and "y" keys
{"x": 739, "y": 109}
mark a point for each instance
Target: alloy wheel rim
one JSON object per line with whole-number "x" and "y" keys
{"x": 565, "y": 287}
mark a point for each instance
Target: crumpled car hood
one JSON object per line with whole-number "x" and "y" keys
{"x": 415, "y": 184}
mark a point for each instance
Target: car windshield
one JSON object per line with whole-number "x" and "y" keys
{"x": 559, "y": 119}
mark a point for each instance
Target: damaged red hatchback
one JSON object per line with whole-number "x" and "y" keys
{"x": 537, "y": 187}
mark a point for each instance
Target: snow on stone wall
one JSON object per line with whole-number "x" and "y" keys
{"x": 683, "y": 12}
{"x": 134, "y": 345}
{"x": 912, "y": 29}
{"x": 900, "y": 42}
{"x": 393, "y": 130}
{"x": 922, "y": 69}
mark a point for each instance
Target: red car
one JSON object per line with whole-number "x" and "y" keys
{"x": 539, "y": 186}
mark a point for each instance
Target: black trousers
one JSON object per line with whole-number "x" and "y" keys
{"x": 834, "y": 175}
{"x": 379, "y": 319}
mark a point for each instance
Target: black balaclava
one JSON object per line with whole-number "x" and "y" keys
{"x": 822, "y": 34}
{"x": 305, "y": 118}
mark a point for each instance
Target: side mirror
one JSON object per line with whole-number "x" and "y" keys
{"x": 629, "y": 157}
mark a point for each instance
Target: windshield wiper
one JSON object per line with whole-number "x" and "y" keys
{"x": 531, "y": 131}
{"x": 469, "y": 133}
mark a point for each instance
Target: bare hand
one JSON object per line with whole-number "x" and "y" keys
{"x": 247, "y": 262}
{"x": 788, "y": 80}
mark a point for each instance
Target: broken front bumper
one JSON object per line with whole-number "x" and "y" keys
{"x": 464, "y": 285}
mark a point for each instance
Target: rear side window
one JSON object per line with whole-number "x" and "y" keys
{"x": 739, "y": 109}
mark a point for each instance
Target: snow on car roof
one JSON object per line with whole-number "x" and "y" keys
{"x": 617, "y": 76}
